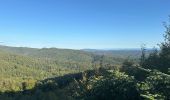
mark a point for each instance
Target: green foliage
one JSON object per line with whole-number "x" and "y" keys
{"x": 107, "y": 85}
{"x": 127, "y": 64}
{"x": 113, "y": 85}
{"x": 119, "y": 86}
{"x": 158, "y": 85}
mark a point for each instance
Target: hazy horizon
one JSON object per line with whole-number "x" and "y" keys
{"x": 103, "y": 49}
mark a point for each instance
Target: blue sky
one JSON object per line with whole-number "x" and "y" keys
{"x": 77, "y": 24}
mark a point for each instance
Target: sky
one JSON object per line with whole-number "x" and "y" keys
{"x": 79, "y": 24}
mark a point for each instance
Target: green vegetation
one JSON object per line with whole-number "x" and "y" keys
{"x": 19, "y": 65}
{"x": 57, "y": 74}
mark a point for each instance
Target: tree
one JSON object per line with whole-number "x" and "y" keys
{"x": 153, "y": 60}
{"x": 165, "y": 49}
{"x": 143, "y": 55}
{"x": 159, "y": 60}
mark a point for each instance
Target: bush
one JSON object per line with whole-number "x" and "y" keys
{"x": 113, "y": 86}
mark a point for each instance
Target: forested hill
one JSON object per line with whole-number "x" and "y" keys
{"x": 63, "y": 74}
{"x": 68, "y": 55}
{"x": 49, "y": 62}
{"x": 119, "y": 53}
{"x": 54, "y": 52}
{"x": 22, "y": 64}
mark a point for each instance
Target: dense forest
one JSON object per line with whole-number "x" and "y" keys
{"x": 20, "y": 65}
{"x": 63, "y": 74}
